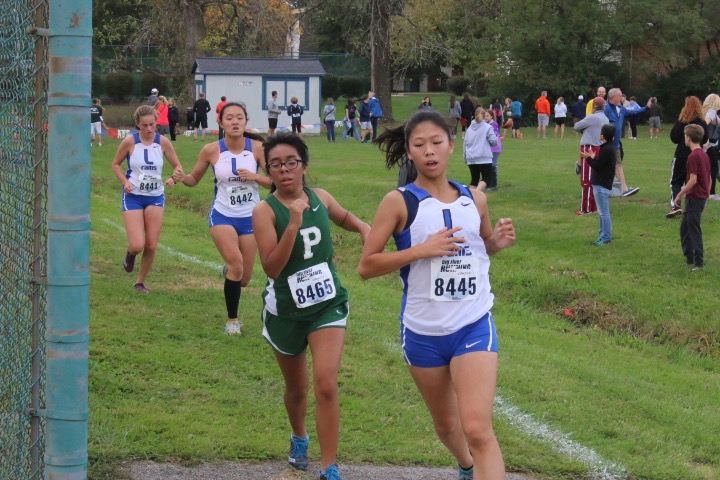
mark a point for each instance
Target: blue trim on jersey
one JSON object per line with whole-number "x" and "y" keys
{"x": 223, "y": 146}
{"x": 413, "y": 195}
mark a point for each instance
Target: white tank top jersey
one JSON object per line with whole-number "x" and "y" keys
{"x": 235, "y": 197}
{"x": 145, "y": 165}
{"x": 443, "y": 294}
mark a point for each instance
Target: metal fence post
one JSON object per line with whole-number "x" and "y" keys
{"x": 67, "y": 333}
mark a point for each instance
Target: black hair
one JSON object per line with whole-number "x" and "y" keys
{"x": 394, "y": 141}
{"x": 608, "y": 132}
{"x": 290, "y": 139}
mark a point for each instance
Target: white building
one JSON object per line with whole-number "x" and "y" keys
{"x": 252, "y": 80}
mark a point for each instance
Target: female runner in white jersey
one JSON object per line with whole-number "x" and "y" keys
{"x": 444, "y": 239}
{"x": 235, "y": 161}
{"x": 143, "y": 194}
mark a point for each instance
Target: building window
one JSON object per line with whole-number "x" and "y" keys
{"x": 287, "y": 87}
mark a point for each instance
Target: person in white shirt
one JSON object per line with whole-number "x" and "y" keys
{"x": 560, "y": 117}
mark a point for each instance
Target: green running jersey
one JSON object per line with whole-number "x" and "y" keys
{"x": 309, "y": 283}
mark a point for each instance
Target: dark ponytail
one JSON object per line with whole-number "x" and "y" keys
{"x": 394, "y": 141}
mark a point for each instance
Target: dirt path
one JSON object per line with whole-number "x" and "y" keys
{"x": 281, "y": 471}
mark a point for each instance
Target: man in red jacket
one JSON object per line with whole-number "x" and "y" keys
{"x": 542, "y": 106}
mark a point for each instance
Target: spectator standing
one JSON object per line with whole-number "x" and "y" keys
{"x": 690, "y": 114}
{"x": 591, "y": 127}
{"x": 542, "y": 106}
{"x": 578, "y": 109}
{"x": 468, "y": 111}
{"x": 295, "y": 112}
{"x": 153, "y": 98}
{"x": 507, "y": 117}
{"x": 455, "y": 111}
{"x": 616, "y": 113}
{"x": 496, "y": 149}
{"x": 560, "y": 117}
{"x": 695, "y": 191}
{"x": 365, "y": 117}
{"x": 173, "y": 118}
{"x": 425, "y": 104}
{"x": 477, "y": 152}
{"x": 633, "y": 119}
{"x": 603, "y": 174}
{"x": 497, "y": 110}
{"x": 163, "y": 122}
{"x": 218, "y": 109}
{"x": 654, "y": 117}
{"x": 273, "y": 112}
{"x": 352, "y": 125}
{"x": 96, "y": 122}
{"x": 710, "y": 107}
{"x": 376, "y": 112}
{"x": 329, "y": 115}
{"x": 201, "y": 109}
{"x": 599, "y": 93}
{"x": 516, "y": 112}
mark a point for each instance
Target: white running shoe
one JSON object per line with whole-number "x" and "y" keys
{"x": 233, "y": 328}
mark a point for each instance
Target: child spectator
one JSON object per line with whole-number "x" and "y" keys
{"x": 496, "y": 149}
{"x": 601, "y": 178}
{"x": 295, "y": 112}
{"x": 696, "y": 191}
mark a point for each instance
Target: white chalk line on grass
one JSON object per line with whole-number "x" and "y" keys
{"x": 172, "y": 251}
{"x": 599, "y": 468}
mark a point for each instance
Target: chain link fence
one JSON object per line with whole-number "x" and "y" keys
{"x": 23, "y": 237}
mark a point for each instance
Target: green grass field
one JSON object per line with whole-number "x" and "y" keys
{"x": 630, "y": 383}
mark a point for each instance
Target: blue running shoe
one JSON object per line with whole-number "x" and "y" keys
{"x": 331, "y": 473}
{"x": 465, "y": 474}
{"x": 298, "y": 457}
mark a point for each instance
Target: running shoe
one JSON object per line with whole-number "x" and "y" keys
{"x": 233, "y": 328}
{"x": 630, "y": 191}
{"x": 129, "y": 262}
{"x": 600, "y": 243}
{"x": 140, "y": 287}
{"x": 465, "y": 474}
{"x": 297, "y": 457}
{"x": 331, "y": 473}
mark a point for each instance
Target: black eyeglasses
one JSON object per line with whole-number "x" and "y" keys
{"x": 290, "y": 165}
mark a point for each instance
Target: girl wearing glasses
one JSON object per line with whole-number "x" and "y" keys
{"x": 235, "y": 161}
{"x": 304, "y": 302}
{"x": 444, "y": 241}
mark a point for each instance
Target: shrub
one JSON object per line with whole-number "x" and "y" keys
{"x": 152, "y": 80}
{"x": 458, "y": 85}
{"x": 96, "y": 85}
{"x": 353, "y": 86}
{"x": 330, "y": 86}
{"x": 119, "y": 84}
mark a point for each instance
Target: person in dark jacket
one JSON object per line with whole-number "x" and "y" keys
{"x": 690, "y": 114}
{"x": 467, "y": 109}
{"x": 602, "y": 176}
{"x": 173, "y": 117}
